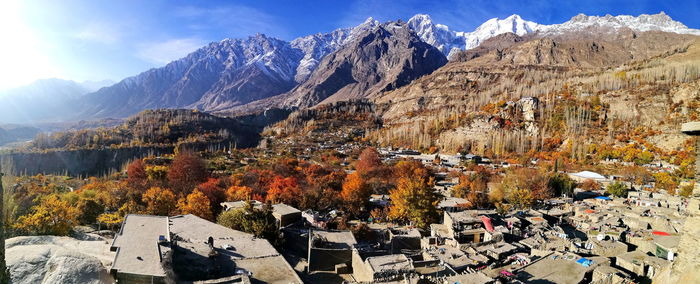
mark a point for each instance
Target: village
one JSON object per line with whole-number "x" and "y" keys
{"x": 585, "y": 236}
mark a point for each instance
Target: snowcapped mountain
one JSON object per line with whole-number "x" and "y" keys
{"x": 642, "y": 23}
{"x": 316, "y": 46}
{"x": 375, "y": 60}
{"x": 449, "y": 41}
{"x": 236, "y": 72}
{"x": 221, "y": 74}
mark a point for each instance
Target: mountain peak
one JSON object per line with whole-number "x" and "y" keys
{"x": 421, "y": 18}
{"x": 643, "y": 22}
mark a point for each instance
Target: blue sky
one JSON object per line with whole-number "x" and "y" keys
{"x": 96, "y": 39}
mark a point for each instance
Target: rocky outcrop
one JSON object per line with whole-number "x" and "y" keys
{"x": 51, "y": 259}
{"x": 383, "y": 59}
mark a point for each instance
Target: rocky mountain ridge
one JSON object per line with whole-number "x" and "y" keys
{"x": 251, "y": 73}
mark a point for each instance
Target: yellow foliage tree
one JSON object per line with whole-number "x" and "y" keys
{"x": 52, "y": 216}
{"x": 413, "y": 200}
{"x": 237, "y": 193}
{"x": 110, "y": 219}
{"x": 160, "y": 201}
{"x": 196, "y": 204}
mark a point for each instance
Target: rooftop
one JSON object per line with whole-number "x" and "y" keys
{"x": 563, "y": 269}
{"x": 392, "y": 262}
{"x": 691, "y": 128}
{"x": 234, "y": 251}
{"x": 335, "y": 239}
{"x": 284, "y": 209}
{"x": 137, "y": 245}
{"x": 245, "y": 251}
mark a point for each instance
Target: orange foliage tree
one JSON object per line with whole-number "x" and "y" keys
{"x": 137, "y": 176}
{"x": 214, "y": 190}
{"x": 355, "y": 192}
{"x": 238, "y": 193}
{"x": 197, "y": 204}
{"x": 589, "y": 185}
{"x": 160, "y": 201}
{"x": 410, "y": 168}
{"x": 284, "y": 190}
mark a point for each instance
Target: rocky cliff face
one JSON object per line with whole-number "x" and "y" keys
{"x": 220, "y": 75}
{"x": 378, "y": 60}
{"x": 627, "y": 71}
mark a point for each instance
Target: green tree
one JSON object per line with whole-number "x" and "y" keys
{"x": 256, "y": 221}
{"x": 561, "y": 184}
{"x": 617, "y": 189}
{"x": 89, "y": 210}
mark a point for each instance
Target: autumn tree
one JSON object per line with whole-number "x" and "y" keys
{"x": 409, "y": 169}
{"x": 520, "y": 197}
{"x": 110, "y": 219}
{"x": 157, "y": 173}
{"x": 197, "y": 203}
{"x": 590, "y": 185}
{"x": 530, "y": 184}
{"x": 136, "y": 174}
{"x": 355, "y": 193}
{"x": 473, "y": 187}
{"x": 186, "y": 171}
{"x": 636, "y": 174}
{"x": 686, "y": 190}
{"x": 52, "y": 216}
{"x": 237, "y": 193}
{"x": 214, "y": 190}
{"x": 413, "y": 200}
{"x": 666, "y": 182}
{"x": 160, "y": 201}
{"x": 368, "y": 161}
{"x": 284, "y": 190}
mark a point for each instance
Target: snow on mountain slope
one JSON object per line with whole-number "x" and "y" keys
{"x": 317, "y": 46}
{"x": 236, "y": 72}
{"x": 644, "y": 22}
{"x": 449, "y": 41}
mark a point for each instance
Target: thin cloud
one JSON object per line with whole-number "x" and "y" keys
{"x": 100, "y": 32}
{"x": 166, "y": 51}
{"x": 237, "y": 20}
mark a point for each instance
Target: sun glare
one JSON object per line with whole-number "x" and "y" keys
{"x": 22, "y": 52}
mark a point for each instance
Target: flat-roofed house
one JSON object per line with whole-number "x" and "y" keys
{"x": 156, "y": 249}
{"x": 140, "y": 250}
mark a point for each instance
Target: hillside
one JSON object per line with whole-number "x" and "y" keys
{"x": 634, "y": 90}
{"x": 154, "y": 128}
{"x": 382, "y": 59}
